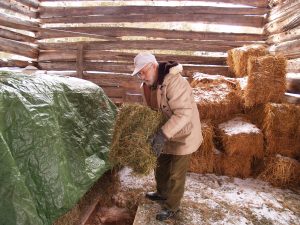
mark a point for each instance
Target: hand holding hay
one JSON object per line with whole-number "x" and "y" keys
{"x": 134, "y": 126}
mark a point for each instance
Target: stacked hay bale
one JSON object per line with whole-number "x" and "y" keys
{"x": 241, "y": 143}
{"x": 237, "y": 59}
{"x": 272, "y": 145}
{"x": 202, "y": 159}
{"x": 216, "y": 97}
{"x": 281, "y": 127}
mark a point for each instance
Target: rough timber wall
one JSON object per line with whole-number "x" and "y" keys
{"x": 97, "y": 40}
{"x": 17, "y": 24}
{"x": 283, "y": 29}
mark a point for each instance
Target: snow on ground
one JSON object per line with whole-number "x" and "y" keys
{"x": 211, "y": 199}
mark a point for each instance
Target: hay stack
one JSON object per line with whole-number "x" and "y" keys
{"x": 237, "y": 59}
{"x": 130, "y": 147}
{"x": 236, "y": 166}
{"x": 281, "y": 171}
{"x": 281, "y": 128}
{"x": 216, "y": 98}
{"x": 239, "y": 137}
{"x": 218, "y": 156}
{"x": 266, "y": 80}
{"x": 202, "y": 159}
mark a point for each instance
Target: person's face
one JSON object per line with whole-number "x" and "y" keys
{"x": 147, "y": 74}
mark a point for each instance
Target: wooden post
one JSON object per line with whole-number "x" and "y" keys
{"x": 80, "y": 60}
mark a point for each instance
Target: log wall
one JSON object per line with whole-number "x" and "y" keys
{"x": 17, "y": 16}
{"x": 113, "y": 48}
{"x": 283, "y": 30}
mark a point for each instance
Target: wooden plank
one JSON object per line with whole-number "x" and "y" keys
{"x": 14, "y": 63}
{"x": 70, "y": 55}
{"x": 18, "y": 8}
{"x": 255, "y": 3}
{"x": 213, "y": 46}
{"x": 58, "y": 32}
{"x": 293, "y": 66}
{"x": 80, "y": 60}
{"x": 128, "y": 82}
{"x": 17, "y": 23}
{"x": 290, "y": 49}
{"x": 237, "y": 20}
{"x": 49, "y": 12}
{"x": 16, "y": 36}
{"x": 30, "y": 3}
{"x": 128, "y": 68}
{"x": 289, "y": 35}
{"x": 18, "y": 48}
{"x": 114, "y": 92}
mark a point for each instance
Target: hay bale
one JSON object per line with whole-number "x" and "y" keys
{"x": 238, "y": 58}
{"x": 216, "y": 98}
{"x": 240, "y": 138}
{"x": 130, "y": 147}
{"x": 266, "y": 80}
{"x": 236, "y": 166}
{"x": 281, "y": 171}
{"x": 256, "y": 114}
{"x": 202, "y": 159}
{"x": 281, "y": 128}
{"x": 218, "y": 156}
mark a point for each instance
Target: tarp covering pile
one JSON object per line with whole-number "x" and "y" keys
{"x": 55, "y": 134}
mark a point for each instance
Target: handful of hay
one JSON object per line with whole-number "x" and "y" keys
{"x": 135, "y": 124}
{"x": 281, "y": 171}
{"x": 237, "y": 59}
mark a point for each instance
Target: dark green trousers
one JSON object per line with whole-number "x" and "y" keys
{"x": 170, "y": 177}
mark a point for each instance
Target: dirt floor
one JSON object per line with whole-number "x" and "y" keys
{"x": 208, "y": 199}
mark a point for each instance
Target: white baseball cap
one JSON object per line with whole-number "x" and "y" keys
{"x": 141, "y": 60}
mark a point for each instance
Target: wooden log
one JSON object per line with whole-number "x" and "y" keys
{"x": 17, "y": 23}
{"x": 284, "y": 19}
{"x": 57, "y": 32}
{"x": 289, "y": 35}
{"x": 70, "y": 55}
{"x": 293, "y": 66}
{"x": 293, "y": 83}
{"x": 255, "y": 3}
{"x": 114, "y": 92}
{"x": 49, "y": 12}
{"x": 128, "y": 68}
{"x": 213, "y": 46}
{"x": 18, "y": 48}
{"x": 14, "y": 63}
{"x": 18, "y": 8}
{"x": 80, "y": 60}
{"x": 30, "y": 3}
{"x": 131, "y": 83}
{"x": 290, "y": 49}
{"x": 283, "y": 9}
{"x": 237, "y": 20}
{"x": 16, "y": 36}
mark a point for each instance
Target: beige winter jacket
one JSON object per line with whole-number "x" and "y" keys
{"x": 175, "y": 99}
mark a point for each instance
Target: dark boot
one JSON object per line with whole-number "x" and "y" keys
{"x": 166, "y": 214}
{"x": 154, "y": 196}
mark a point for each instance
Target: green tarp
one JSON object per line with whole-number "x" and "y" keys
{"x": 55, "y": 134}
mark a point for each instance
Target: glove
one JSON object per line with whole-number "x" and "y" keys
{"x": 158, "y": 142}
